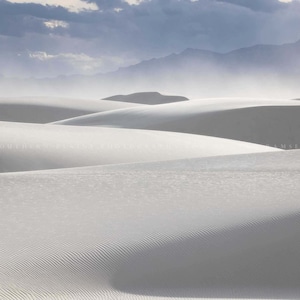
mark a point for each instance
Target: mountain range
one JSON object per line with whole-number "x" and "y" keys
{"x": 280, "y": 59}
{"x": 261, "y": 70}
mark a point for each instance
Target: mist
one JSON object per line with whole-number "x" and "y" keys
{"x": 205, "y": 81}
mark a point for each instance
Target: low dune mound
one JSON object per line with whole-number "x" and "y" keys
{"x": 33, "y": 146}
{"x": 47, "y": 109}
{"x": 150, "y": 98}
{"x": 267, "y": 122}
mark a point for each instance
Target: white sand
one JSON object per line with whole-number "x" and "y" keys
{"x": 150, "y": 235}
{"x": 27, "y": 147}
{"x": 91, "y": 213}
{"x": 262, "y": 121}
{"x": 50, "y": 109}
{"x": 251, "y": 162}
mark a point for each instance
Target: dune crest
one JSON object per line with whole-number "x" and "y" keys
{"x": 49, "y": 109}
{"x": 26, "y": 147}
{"x": 262, "y": 121}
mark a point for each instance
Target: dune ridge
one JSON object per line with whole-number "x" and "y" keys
{"x": 50, "y": 109}
{"x": 267, "y": 122}
{"x": 278, "y": 161}
{"x": 26, "y": 147}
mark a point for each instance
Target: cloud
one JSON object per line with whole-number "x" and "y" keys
{"x": 135, "y": 30}
{"x": 76, "y": 62}
{"x": 71, "y": 5}
{"x": 46, "y": 64}
{"x": 134, "y": 2}
{"x": 55, "y": 24}
{"x": 106, "y": 4}
{"x": 260, "y": 5}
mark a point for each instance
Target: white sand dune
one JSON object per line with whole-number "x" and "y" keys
{"x": 151, "y": 98}
{"x": 37, "y": 146}
{"x": 91, "y": 213}
{"x": 150, "y": 235}
{"x": 268, "y": 122}
{"x": 50, "y": 109}
{"x": 250, "y": 162}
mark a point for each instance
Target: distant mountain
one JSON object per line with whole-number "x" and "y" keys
{"x": 151, "y": 98}
{"x": 281, "y": 59}
{"x": 262, "y": 70}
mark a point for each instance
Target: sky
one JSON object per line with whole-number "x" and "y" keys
{"x": 51, "y": 37}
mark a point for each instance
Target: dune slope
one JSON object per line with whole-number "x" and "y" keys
{"x": 35, "y": 146}
{"x": 137, "y": 235}
{"x": 47, "y": 109}
{"x": 268, "y": 122}
{"x": 251, "y": 162}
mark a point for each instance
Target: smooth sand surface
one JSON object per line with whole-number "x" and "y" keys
{"x": 50, "y": 109}
{"x": 267, "y": 122}
{"x": 27, "y": 147}
{"x": 150, "y": 235}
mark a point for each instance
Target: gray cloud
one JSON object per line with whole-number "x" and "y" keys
{"x": 107, "y": 4}
{"x": 259, "y": 5}
{"x": 153, "y": 28}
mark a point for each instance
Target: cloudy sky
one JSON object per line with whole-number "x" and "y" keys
{"x": 52, "y": 37}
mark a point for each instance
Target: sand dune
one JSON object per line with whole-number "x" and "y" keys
{"x": 46, "y": 109}
{"x": 150, "y": 235}
{"x": 33, "y": 147}
{"x": 268, "y": 122}
{"x": 250, "y": 162}
{"x": 91, "y": 212}
{"x": 151, "y": 98}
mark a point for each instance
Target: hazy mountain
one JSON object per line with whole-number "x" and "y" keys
{"x": 282, "y": 59}
{"x": 262, "y": 70}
